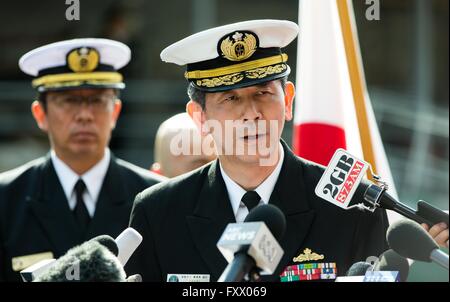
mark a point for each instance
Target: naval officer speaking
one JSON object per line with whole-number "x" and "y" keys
{"x": 239, "y": 93}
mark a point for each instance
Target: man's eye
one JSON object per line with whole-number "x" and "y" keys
{"x": 97, "y": 100}
{"x": 262, "y": 92}
{"x": 71, "y": 100}
{"x": 230, "y": 98}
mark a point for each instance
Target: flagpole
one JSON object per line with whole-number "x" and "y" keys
{"x": 357, "y": 83}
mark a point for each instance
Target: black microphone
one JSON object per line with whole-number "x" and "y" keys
{"x": 342, "y": 184}
{"x": 272, "y": 216}
{"x": 391, "y": 261}
{"x": 252, "y": 247}
{"x": 410, "y": 240}
{"x": 88, "y": 262}
{"x": 359, "y": 269}
{"x": 356, "y": 272}
{"x": 108, "y": 242}
{"x": 425, "y": 212}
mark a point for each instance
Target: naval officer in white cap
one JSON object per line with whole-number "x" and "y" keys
{"x": 79, "y": 190}
{"x": 238, "y": 73}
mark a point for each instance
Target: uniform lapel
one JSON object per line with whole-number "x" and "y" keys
{"x": 111, "y": 205}
{"x": 50, "y": 206}
{"x": 290, "y": 196}
{"x": 211, "y": 216}
{"x": 214, "y": 212}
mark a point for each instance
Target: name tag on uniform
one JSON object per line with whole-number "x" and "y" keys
{"x": 187, "y": 278}
{"x": 22, "y": 262}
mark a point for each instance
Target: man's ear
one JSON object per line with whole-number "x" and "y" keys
{"x": 289, "y": 94}
{"x": 39, "y": 114}
{"x": 195, "y": 111}
{"x": 116, "y": 112}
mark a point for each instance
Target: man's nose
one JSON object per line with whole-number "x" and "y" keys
{"x": 84, "y": 111}
{"x": 251, "y": 112}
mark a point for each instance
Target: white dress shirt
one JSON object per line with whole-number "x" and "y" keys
{"x": 93, "y": 179}
{"x": 265, "y": 189}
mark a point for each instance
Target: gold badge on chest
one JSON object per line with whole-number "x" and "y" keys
{"x": 308, "y": 255}
{"x": 310, "y": 270}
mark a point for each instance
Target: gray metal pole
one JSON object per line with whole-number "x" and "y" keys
{"x": 419, "y": 157}
{"x": 204, "y": 14}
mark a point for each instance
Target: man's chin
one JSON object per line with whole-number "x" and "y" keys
{"x": 85, "y": 149}
{"x": 258, "y": 160}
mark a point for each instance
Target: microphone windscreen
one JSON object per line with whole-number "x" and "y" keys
{"x": 134, "y": 278}
{"x": 359, "y": 269}
{"x": 410, "y": 240}
{"x": 108, "y": 242}
{"x": 88, "y": 262}
{"x": 391, "y": 261}
{"x": 271, "y": 216}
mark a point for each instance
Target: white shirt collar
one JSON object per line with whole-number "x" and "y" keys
{"x": 265, "y": 189}
{"x": 93, "y": 178}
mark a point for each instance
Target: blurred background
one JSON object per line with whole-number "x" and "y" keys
{"x": 405, "y": 55}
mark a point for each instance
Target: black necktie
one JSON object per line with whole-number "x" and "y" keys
{"x": 80, "y": 211}
{"x": 251, "y": 199}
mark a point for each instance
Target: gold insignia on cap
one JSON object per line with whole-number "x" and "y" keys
{"x": 308, "y": 255}
{"x": 262, "y": 72}
{"x": 221, "y": 81}
{"x": 239, "y": 46}
{"x": 83, "y": 59}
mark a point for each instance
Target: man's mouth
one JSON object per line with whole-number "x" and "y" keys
{"x": 82, "y": 135}
{"x": 253, "y": 137}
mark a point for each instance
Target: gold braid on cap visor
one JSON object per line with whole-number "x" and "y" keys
{"x": 236, "y": 68}
{"x": 76, "y": 79}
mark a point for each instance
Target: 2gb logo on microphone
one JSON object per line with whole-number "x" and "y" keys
{"x": 341, "y": 178}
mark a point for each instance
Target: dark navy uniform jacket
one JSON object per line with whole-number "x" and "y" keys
{"x": 182, "y": 219}
{"x": 35, "y": 216}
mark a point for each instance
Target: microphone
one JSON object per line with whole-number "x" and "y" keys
{"x": 356, "y": 272}
{"x": 108, "y": 242}
{"x": 88, "y": 262}
{"x": 134, "y": 278}
{"x": 271, "y": 216}
{"x": 342, "y": 179}
{"x": 391, "y": 261}
{"x": 123, "y": 246}
{"x": 127, "y": 242}
{"x": 425, "y": 213}
{"x": 410, "y": 240}
{"x": 31, "y": 273}
{"x": 359, "y": 269}
{"x": 389, "y": 267}
{"x": 252, "y": 247}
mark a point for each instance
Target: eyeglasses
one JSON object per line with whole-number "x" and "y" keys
{"x": 74, "y": 102}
